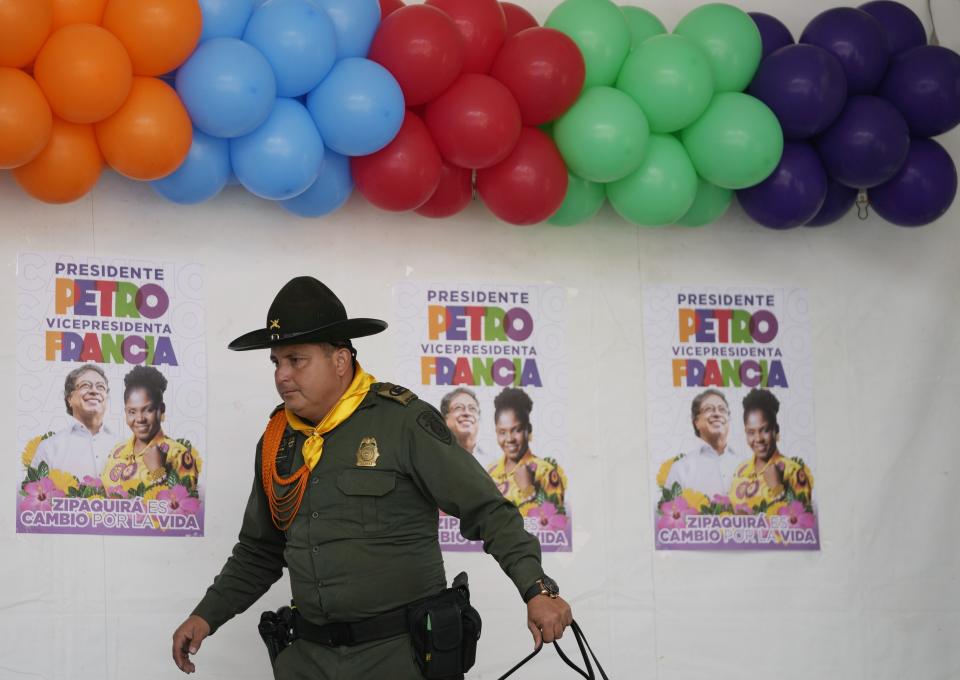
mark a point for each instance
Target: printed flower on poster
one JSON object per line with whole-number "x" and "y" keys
{"x": 179, "y": 501}
{"x": 664, "y": 470}
{"x": 37, "y": 495}
{"x": 64, "y": 481}
{"x": 116, "y": 491}
{"x": 673, "y": 514}
{"x": 548, "y": 518}
{"x": 798, "y": 516}
{"x": 30, "y": 450}
{"x": 696, "y": 500}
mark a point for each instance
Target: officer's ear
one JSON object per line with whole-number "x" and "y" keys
{"x": 342, "y": 360}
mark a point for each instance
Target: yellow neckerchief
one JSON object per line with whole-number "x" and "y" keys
{"x": 343, "y": 409}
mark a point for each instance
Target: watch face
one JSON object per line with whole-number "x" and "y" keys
{"x": 550, "y": 585}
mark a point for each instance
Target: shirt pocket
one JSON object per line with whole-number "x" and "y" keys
{"x": 364, "y": 494}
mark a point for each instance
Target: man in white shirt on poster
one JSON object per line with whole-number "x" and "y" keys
{"x": 709, "y": 468}
{"x": 82, "y": 447}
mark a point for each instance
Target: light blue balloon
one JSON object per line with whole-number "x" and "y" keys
{"x": 225, "y": 18}
{"x": 298, "y": 39}
{"x": 203, "y": 173}
{"x": 328, "y": 193}
{"x": 355, "y": 22}
{"x": 282, "y": 157}
{"x": 227, "y": 86}
{"x": 358, "y": 107}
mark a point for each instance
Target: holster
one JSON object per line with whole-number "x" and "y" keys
{"x": 276, "y": 629}
{"x": 444, "y": 630}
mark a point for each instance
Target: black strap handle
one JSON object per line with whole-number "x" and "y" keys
{"x": 586, "y": 652}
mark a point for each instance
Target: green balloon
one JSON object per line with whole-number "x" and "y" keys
{"x": 603, "y": 136}
{"x": 671, "y": 79}
{"x": 600, "y": 31}
{"x": 731, "y": 40}
{"x": 642, "y": 23}
{"x": 583, "y": 200}
{"x": 661, "y": 190}
{"x": 736, "y": 143}
{"x": 709, "y": 205}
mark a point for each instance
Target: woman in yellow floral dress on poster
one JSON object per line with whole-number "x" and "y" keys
{"x": 149, "y": 459}
{"x": 535, "y": 485}
{"x": 769, "y": 478}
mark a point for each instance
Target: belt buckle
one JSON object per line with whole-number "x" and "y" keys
{"x": 340, "y": 633}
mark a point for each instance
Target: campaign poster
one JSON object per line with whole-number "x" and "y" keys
{"x": 111, "y": 396}
{"x": 492, "y": 359}
{"x": 730, "y": 418}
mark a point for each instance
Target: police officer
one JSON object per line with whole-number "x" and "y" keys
{"x": 350, "y": 473}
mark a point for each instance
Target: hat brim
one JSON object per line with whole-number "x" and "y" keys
{"x": 262, "y": 338}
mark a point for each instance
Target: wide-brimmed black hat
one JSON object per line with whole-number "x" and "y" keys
{"x": 305, "y": 310}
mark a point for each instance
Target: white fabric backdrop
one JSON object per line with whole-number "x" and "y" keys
{"x": 881, "y": 600}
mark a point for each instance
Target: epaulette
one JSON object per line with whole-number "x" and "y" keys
{"x": 276, "y": 410}
{"x": 397, "y": 393}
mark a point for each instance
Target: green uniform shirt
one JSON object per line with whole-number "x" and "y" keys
{"x": 365, "y": 538}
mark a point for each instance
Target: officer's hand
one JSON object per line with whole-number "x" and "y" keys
{"x": 186, "y": 641}
{"x": 547, "y": 617}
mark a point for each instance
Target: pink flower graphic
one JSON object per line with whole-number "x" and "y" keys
{"x": 548, "y": 517}
{"x": 179, "y": 501}
{"x": 92, "y": 482}
{"x": 673, "y": 514}
{"x": 39, "y": 494}
{"x": 721, "y": 500}
{"x": 799, "y": 517}
{"x": 116, "y": 491}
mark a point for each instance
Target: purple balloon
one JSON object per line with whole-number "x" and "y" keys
{"x": 857, "y": 40}
{"x": 924, "y": 83}
{"x": 867, "y": 144}
{"x": 923, "y": 189}
{"x": 792, "y": 194}
{"x": 773, "y": 34}
{"x": 903, "y": 28}
{"x": 839, "y": 199}
{"x": 804, "y": 86}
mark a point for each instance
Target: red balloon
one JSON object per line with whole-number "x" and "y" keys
{"x": 388, "y": 6}
{"x": 483, "y": 27}
{"x": 476, "y": 122}
{"x": 544, "y": 70}
{"x": 529, "y": 185}
{"x": 518, "y": 19}
{"x": 402, "y": 175}
{"x": 453, "y": 194}
{"x": 422, "y": 48}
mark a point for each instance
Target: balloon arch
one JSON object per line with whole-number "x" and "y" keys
{"x": 421, "y": 107}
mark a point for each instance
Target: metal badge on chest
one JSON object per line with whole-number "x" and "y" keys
{"x": 368, "y": 453}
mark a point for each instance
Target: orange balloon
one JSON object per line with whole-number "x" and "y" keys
{"x": 149, "y": 137}
{"x": 159, "y": 34}
{"x": 25, "y": 118}
{"x": 67, "y": 168}
{"x": 67, "y": 12}
{"x": 84, "y": 72}
{"x": 24, "y": 25}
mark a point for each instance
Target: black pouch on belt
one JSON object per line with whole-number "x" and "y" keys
{"x": 444, "y": 630}
{"x": 276, "y": 629}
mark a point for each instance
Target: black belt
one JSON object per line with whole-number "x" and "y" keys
{"x": 393, "y": 622}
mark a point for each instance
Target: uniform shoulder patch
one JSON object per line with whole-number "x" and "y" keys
{"x": 430, "y": 421}
{"x": 397, "y": 393}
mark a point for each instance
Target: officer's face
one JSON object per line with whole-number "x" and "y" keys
{"x": 309, "y": 377}
{"x": 512, "y": 436}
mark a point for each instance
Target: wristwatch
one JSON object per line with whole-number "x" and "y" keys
{"x": 543, "y": 586}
